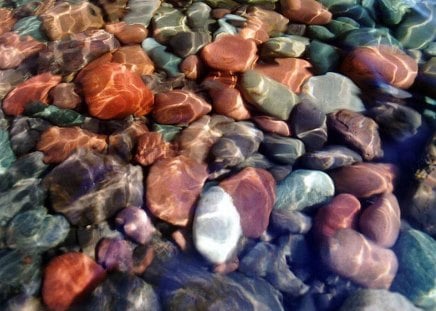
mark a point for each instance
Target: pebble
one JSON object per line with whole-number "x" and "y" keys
{"x": 115, "y": 254}
{"x": 198, "y": 14}
{"x": 272, "y": 125}
{"x": 358, "y": 131}
{"x": 368, "y": 36}
{"x": 127, "y": 33}
{"x": 135, "y": 224}
{"x": 283, "y": 150}
{"x": 253, "y": 193}
{"x": 305, "y": 12}
{"x": 134, "y": 58}
{"x": 68, "y": 277}
{"x": 302, "y": 189}
{"x": 88, "y": 237}
{"x": 64, "y": 96}
{"x": 167, "y": 21}
{"x": 113, "y": 10}
{"x": 325, "y": 58}
{"x": 285, "y": 221}
{"x": 216, "y": 227}
{"x": 152, "y": 147}
{"x": 349, "y": 254}
{"x": 381, "y": 221}
{"x": 15, "y": 49}
{"x": 162, "y": 59}
{"x": 30, "y": 25}
{"x": 330, "y": 157}
{"x": 173, "y": 199}
{"x": 123, "y": 141}
{"x": 283, "y": 47}
{"x": 193, "y": 67}
{"x": 364, "y": 180}
{"x": 8, "y": 79}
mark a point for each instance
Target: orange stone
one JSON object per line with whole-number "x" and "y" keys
{"x": 152, "y": 147}
{"x": 369, "y": 64}
{"x": 64, "y": 96}
{"x": 230, "y": 53}
{"x": 272, "y": 125}
{"x": 7, "y": 20}
{"x": 127, "y": 34}
{"x": 135, "y": 59}
{"x": 15, "y": 48}
{"x": 113, "y": 91}
{"x": 58, "y": 143}
{"x": 34, "y": 89}
{"x": 192, "y": 67}
{"x": 255, "y": 29}
{"x": 306, "y": 11}
{"x": 69, "y": 277}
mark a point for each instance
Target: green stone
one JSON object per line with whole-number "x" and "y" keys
{"x": 55, "y": 115}
{"x": 392, "y": 11}
{"x": 282, "y": 47}
{"x": 357, "y": 12}
{"x": 342, "y": 25}
{"x": 7, "y": 156}
{"x": 416, "y": 276}
{"x": 167, "y": 22}
{"x": 319, "y": 32}
{"x": 31, "y": 26}
{"x": 223, "y": 4}
{"x": 369, "y": 36}
{"x": 161, "y": 58}
{"x": 430, "y": 50}
{"x": 168, "y": 132}
{"x": 268, "y": 95}
{"x": 324, "y": 57}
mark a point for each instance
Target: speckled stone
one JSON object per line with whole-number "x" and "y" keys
{"x": 358, "y": 131}
{"x": 115, "y": 254}
{"x": 15, "y": 49}
{"x": 305, "y": 11}
{"x": 216, "y": 226}
{"x": 151, "y": 147}
{"x": 134, "y": 58}
{"x": 351, "y": 255}
{"x": 330, "y": 157}
{"x": 163, "y": 59}
{"x": 172, "y": 199}
{"x": 7, "y": 20}
{"x": 53, "y": 114}
{"x": 135, "y": 224}
{"x": 253, "y": 193}
{"x": 272, "y": 125}
{"x": 267, "y": 95}
{"x": 7, "y": 156}
{"x": 302, "y": 189}
{"x": 126, "y": 33}
{"x": 283, "y": 150}
{"x": 58, "y": 143}
{"x": 64, "y": 96}
{"x": 68, "y": 277}
{"x": 364, "y": 180}
{"x": 141, "y": 12}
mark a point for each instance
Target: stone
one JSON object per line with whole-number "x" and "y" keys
{"x": 305, "y": 11}
{"x": 267, "y": 95}
{"x": 349, "y": 254}
{"x": 308, "y": 123}
{"x": 58, "y": 143}
{"x": 292, "y": 72}
{"x": 272, "y": 125}
{"x": 33, "y": 89}
{"x": 302, "y": 189}
{"x": 64, "y": 96}
{"x": 140, "y": 12}
{"x": 230, "y": 53}
{"x": 36, "y": 230}
{"x": 393, "y": 11}
{"x": 198, "y": 14}
{"x": 370, "y": 64}
{"x": 179, "y": 107}
{"x": 151, "y": 147}
{"x": 173, "y": 199}
{"x": 115, "y": 254}
{"x": 187, "y": 43}
{"x": 283, "y": 150}
{"x": 89, "y": 187}
{"x": 163, "y": 59}
{"x": 364, "y": 180}
{"x": 53, "y": 114}
{"x": 216, "y": 226}
{"x": 127, "y": 33}
{"x": 135, "y": 224}
{"x": 324, "y": 57}
{"x": 340, "y": 213}
{"x": 377, "y": 300}
{"x": 7, "y": 20}
{"x": 134, "y": 58}
{"x": 7, "y": 156}
{"x": 416, "y": 277}
{"x": 330, "y": 157}
{"x": 253, "y": 193}
{"x": 358, "y": 13}
{"x": 381, "y": 221}
{"x": 342, "y": 93}
{"x": 358, "y": 131}
{"x": 369, "y": 36}
{"x": 167, "y": 21}
{"x": 30, "y": 25}
{"x": 23, "y": 302}
{"x": 319, "y": 33}
{"x": 15, "y": 49}
{"x": 88, "y": 237}
{"x": 68, "y": 277}
{"x": 123, "y": 141}
{"x": 342, "y": 25}
{"x": 283, "y": 47}
{"x": 192, "y": 66}
{"x": 68, "y": 18}
{"x": 284, "y": 221}
{"x": 113, "y": 91}
{"x": 426, "y": 77}
{"x": 113, "y": 11}
{"x": 9, "y": 79}
{"x": 25, "y": 133}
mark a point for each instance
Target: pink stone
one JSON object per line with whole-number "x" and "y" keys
{"x": 272, "y": 125}
{"x": 151, "y": 147}
{"x": 173, "y": 185}
{"x": 255, "y": 29}
{"x": 115, "y": 254}
{"x": 136, "y": 224}
{"x": 253, "y": 194}
{"x": 381, "y": 221}
{"x": 306, "y": 11}
{"x": 230, "y": 53}
{"x": 34, "y": 89}
{"x": 351, "y": 255}
{"x": 340, "y": 213}
{"x": 134, "y": 58}
{"x": 64, "y": 96}
{"x": 7, "y": 20}
{"x": 179, "y": 107}
{"x": 127, "y": 34}
{"x": 192, "y": 66}
{"x": 15, "y": 48}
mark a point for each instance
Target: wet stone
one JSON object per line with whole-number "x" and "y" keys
{"x": 305, "y": 11}
{"x": 188, "y": 43}
{"x": 115, "y": 254}
{"x": 192, "y": 66}
{"x": 342, "y": 25}
{"x": 198, "y": 14}
{"x": 318, "y": 32}
{"x": 168, "y": 132}
{"x": 7, "y": 20}
{"x": 358, "y": 13}
{"x": 284, "y": 221}
{"x": 167, "y": 22}
{"x": 282, "y": 150}
{"x": 64, "y": 96}
{"x": 141, "y": 12}
{"x": 163, "y": 59}
{"x": 324, "y": 57}
{"x": 25, "y": 133}
{"x": 282, "y": 47}
{"x": 366, "y": 36}
{"x": 126, "y": 33}
{"x": 8, "y": 79}
{"x": 134, "y": 58}
{"x": 135, "y": 224}
{"x": 53, "y": 114}
{"x": 7, "y": 156}
{"x": 393, "y": 11}
{"x": 272, "y": 125}
{"x": 31, "y": 26}
{"x": 151, "y": 147}
{"x": 114, "y": 10}
{"x": 15, "y": 49}
{"x": 88, "y": 237}
{"x": 330, "y": 157}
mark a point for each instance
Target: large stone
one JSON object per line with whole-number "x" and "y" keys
{"x": 15, "y": 49}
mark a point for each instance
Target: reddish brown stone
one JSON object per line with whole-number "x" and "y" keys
{"x": 112, "y": 91}
{"x": 115, "y": 254}
{"x": 64, "y": 96}
{"x": 128, "y": 34}
{"x": 364, "y": 180}
{"x": 292, "y": 72}
{"x": 135, "y": 59}
{"x": 67, "y": 18}
{"x": 381, "y": 221}
{"x": 351, "y": 255}
{"x": 253, "y": 193}
{"x": 173, "y": 186}
{"x": 7, "y": 20}
{"x": 68, "y": 278}
{"x": 369, "y": 64}
{"x": 358, "y": 131}
{"x": 58, "y": 143}
{"x": 230, "y": 53}
{"x": 34, "y": 89}
{"x": 192, "y": 67}
{"x": 152, "y": 147}
{"x": 272, "y": 125}
{"x": 340, "y": 213}
{"x": 306, "y": 11}
{"x": 226, "y": 78}
{"x": 15, "y": 48}
{"x": 255, "y": 29}
{"x": 179, "y": 107}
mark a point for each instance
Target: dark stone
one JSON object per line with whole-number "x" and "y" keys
{"x": 330, "y": 157}
{"x": 25, "y": 133}
{"x": 281, "y": 149}
{"x": 188, "y": 42}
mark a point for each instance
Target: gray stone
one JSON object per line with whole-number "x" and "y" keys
{"x": 330, "y": 157}
{"x": 281, "y": 47}
{"x": 7, "y": 156}
{"x": 285, "y": 221}
{"x": 281, "y": 149}
{"x": 141, "y": 11}
{"x": 25, "y": 133}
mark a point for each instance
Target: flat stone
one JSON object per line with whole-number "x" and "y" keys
{"x": 272, "y": 125}
{"x": 135, "y": 224}
{"x": 15, "y": 49}
{"x": 64, "y": 96}
{"x": 216, "y": 226}
{"x": 126, "y": 33}
{"x": 330, "y": 157}
{"x": 253, "y": 193}
{"x": 134, "y": 58}
{"x": 152, "y": 147}
{"x": 173, "y": 199}
{"x": 7, "y": 20}
{"x": 283, "y": 150}
{"x": 305, "y": 11}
